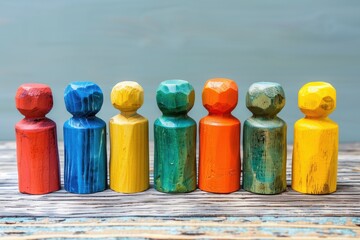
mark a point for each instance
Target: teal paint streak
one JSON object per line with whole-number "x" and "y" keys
{"x": 335, "y": 229}
{"x": 286, "y": 232}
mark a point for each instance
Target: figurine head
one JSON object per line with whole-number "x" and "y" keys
{"x": 265, "y": 98}
{"x": 175, "y": 96}
{"x": 127, "y": 96}
{"x": 317, "y": 99}
{"x": 220, "y": 95}
{"x": 34, "y": 100}
{"x": 83, "y": 99}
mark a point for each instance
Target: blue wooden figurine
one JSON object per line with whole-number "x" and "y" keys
{"x": 85, "y": 169}
{"x": 175, "y": 138}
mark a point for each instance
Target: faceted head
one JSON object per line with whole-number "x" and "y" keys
{"x": 317, "y": 99}
{"x": 265, "y": 98}
{"x": 83, "y": 99}
{"x": 175, "y": 96}
{"x": 34, "y": 100}
{"x": 127, "y": 96}
{"x": 220, "y": 95}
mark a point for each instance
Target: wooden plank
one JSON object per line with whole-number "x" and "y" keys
{"x": 183, "y": 227}
{"x": 61, "y": 204}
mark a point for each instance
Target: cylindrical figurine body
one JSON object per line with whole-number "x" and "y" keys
{"x": 219, "y": 132}
{"x": 36, "y": 141}
{"x": 264, "y": 140}
{"x": 175, "y": 138}
{"x": 85, "y": 169}
{"x": 316, "y": 137}
{"x": 129, "y": 141}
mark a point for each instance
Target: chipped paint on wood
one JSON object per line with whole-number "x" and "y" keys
{"x": 183, "y": 227}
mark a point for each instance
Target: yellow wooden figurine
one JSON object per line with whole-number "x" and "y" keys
{"x": 129, "y": 141}
{"x": 316, "y": 137}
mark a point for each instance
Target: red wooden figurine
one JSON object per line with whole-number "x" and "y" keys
{"x": 36, "y": 141}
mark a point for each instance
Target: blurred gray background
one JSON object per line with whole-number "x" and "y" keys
{"x": 56, "y": 42}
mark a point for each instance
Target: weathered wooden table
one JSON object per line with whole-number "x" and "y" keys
{"x": 151, "y": 214}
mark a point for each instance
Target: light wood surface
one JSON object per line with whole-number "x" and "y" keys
{"x": 240, "y": 215}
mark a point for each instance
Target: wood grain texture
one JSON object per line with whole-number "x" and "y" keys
{"x": 181, "y": 228}
{"x": 175, "y": 138}
{"x": 219, "y": 138}
{"x": 36, "y": 137}
{"x": 316, "y": 139}
{"x": 129, "y": 140}
{"x": 264, "y": 140}
{"x": 152, "y": 203}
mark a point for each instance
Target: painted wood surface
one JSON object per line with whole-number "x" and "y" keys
{"x": 175, "y": 138}
{"x": 239, "y": 215}
{"x": 181, "y": 228}
{"x": 37, "y": 151}
{"x": 108, "y": 203}
{"x": 316, "y": 139}
{"x": 129, "y": 140}
{"x": 85, "y": 169}
{"x": 264, "y": 140}
{"x": 219, "y": 151}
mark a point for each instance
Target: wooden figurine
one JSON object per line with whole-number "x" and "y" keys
{"x": 85, "y": 169}
{"x": 129, "y": 141}
{"x": 175, "y": 138}
{"x": 316, "y": 137}
{"x": 219, "y": 158}
{"x": 36, "y": 141}
{"x": 264, "y": 140}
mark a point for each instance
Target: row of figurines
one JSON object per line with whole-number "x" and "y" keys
{"x": 315, "y": 152}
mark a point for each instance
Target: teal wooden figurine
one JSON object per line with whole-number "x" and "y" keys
{"x": 264, "y": 140}
{"x": 175, "y": 138}
{"x": 85, "y": 169}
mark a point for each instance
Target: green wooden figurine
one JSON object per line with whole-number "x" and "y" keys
{"x": 175, "y": 138}
{"x": 264, "y": 140}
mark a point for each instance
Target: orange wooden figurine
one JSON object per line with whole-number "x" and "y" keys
{"x": 219, "y": 160}
{"x": 36, "y": 141}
